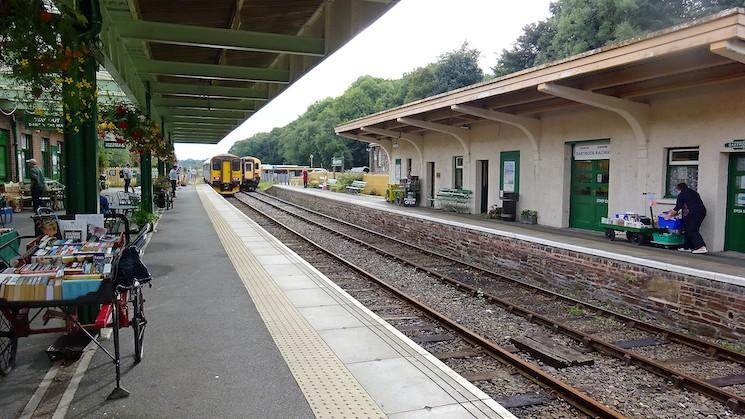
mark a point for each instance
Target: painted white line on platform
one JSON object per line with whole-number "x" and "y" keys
{"x": 72, "y": 388}
{"x": 38, "y": 395}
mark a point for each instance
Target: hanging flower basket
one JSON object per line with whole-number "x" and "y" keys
{"x": 127, "y": 125}
{"x": 46, "y": 57}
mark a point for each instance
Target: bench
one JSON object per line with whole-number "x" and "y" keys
{"x": 452, "y": 199}
{"x": 330, "y": 183}
{"x": 357, "y": 186}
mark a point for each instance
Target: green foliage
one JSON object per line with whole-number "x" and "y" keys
{"x": 345, "y": 179}
{"x": 263, "y": 186}
{"x": 161, "y": 183}
{"x": 313, "y": 133}
{"x": 576, "y": 310}
{"x": 141, "y": 218}
{"x": 576, "y": 26}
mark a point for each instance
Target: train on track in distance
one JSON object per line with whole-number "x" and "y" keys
{"x": 229, "y": 174}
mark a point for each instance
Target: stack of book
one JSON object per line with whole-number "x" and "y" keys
{"x": 30, "y": 288}
{"x": 59, "y": 270}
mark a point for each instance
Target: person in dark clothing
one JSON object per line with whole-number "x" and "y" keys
{"x": 690, "y": 205}
{"x": 305, "y": 178}
{"x": 38, "y": 184}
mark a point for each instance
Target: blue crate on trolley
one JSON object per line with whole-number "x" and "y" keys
{"x": 671, "y": 224}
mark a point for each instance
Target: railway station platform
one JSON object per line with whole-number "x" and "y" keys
{"x": 727, "y": 267}
{"x": 699, "y": 294}
{"x": 240, "y": 326}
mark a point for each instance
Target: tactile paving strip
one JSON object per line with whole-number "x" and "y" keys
{"x": 327, "y": 384}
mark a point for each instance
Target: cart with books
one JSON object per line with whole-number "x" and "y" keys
{"x": 66, "y": 278}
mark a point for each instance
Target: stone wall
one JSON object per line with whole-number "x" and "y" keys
{"x": 702, "y": 306}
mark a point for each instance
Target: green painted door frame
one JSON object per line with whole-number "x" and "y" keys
{"x": 588, "y": 201}
{"x": 511, "y": 159}
{"x": 4, "y": 140}
{"x": 734, "y": 231}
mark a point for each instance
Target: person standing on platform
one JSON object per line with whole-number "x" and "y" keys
{"x": 38, "y": 184}
{"x": 127, "y": 172}
{"x": 690, "y": 205}
{"x": 173, "y": 177}
{"x": 305, "y": 178}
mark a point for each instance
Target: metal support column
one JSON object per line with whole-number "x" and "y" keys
{"x": 81, "y": 144}
{"x": 161, "y": 163}
{"x": 146, "y": 166}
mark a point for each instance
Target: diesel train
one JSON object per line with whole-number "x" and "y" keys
{"x": 228, "y": 174}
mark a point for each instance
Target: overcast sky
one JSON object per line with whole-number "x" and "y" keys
{"x": 412, "y": 34}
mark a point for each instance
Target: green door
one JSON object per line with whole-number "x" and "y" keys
{"x": 588, "y": 200}
{"x": 4, "y": 140}
{"x": 734, "y": 236}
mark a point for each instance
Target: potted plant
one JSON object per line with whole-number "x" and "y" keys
{"x": 528, "y": 216}
{"x": 495, "y": 211}
{"x": 142, "y": 218}
{"x": 161, "y": 185}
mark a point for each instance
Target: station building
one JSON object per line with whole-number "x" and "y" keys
{"x": 19, "y": 143}
{"x": 607, "y": 131}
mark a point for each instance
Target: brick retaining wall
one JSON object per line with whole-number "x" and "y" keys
{"x": 703, "y": 306}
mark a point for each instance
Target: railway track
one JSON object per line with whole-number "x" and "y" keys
{"x": 697, "y": 365}
{"x": 523, "y": 388}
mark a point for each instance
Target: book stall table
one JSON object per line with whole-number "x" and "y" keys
{"x": 60, "y": 279}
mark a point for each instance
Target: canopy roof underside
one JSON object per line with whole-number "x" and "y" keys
{"x": 208, "y": 65}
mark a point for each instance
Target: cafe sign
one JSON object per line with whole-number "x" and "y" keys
{"x": 337, "y": 161}
{"x": 43, "y": 123}
{"x": 735, "y": 145}
{"x": 109, "y": 141}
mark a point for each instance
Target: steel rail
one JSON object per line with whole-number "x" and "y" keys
{"x": 711, "y": 349}
{"x": 570, "y": 394}
{"x": 731, "y": 400}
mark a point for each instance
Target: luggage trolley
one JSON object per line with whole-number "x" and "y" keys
{"x": 121, "y": 306}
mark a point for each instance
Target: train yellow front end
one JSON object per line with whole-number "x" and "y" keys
{"x": 251, "y": 173}
{"x": 223, "y": 172}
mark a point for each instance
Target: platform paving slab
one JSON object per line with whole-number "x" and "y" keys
{"x": 207, "y": 350}
{"x": 398, "y": 375}
{"x": 723, "y": 266}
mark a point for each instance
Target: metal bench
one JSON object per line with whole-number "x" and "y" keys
{"x": 357, "y": 186}
{"x": 452, "y": 199}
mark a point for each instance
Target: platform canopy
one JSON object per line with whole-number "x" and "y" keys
{"x": 621, "y": 78}
{"x": 207, "y": 65}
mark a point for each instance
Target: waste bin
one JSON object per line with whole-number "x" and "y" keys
{"x": 509, "y": 205}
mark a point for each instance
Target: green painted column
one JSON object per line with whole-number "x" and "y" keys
{"x": 81, "y": 145}
{"x": 146, "y": 166}
{"x": 161, "y": 163}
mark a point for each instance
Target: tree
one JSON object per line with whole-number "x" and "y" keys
{"x": 313, "y": 132}
{"x": 457, "y": 69}
{"x": 576, "y": 26}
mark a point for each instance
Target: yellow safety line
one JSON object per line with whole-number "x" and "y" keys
{"x": 331, "y": 390}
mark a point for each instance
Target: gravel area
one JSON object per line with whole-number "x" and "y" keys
{"x": 631, "y": 390}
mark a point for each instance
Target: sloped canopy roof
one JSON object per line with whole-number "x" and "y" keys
{"x": 209, "y": 64}
{"x": 703, "y": 52}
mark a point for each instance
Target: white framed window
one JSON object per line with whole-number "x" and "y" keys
{"x": 458, "y": 172}
{"x": 682, "y": 167}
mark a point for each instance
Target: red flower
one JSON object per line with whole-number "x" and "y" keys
{"x": 119, "y": 140}
{"x": 120, "y": 109}
{"x": 137, "y": 135}
{"x": 123, "y": 125}
{"x": 45, "y": 16}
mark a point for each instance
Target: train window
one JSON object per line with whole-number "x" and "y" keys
{"x": 236, "y": 165}
{"x": 249, "y": 166}
{"x": 216, "y": 164}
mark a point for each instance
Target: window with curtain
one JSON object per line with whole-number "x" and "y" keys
{"x": 682, "y": 167}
